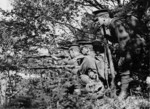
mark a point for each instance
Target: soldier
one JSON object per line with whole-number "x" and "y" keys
{"x": 74, "y": 65}
{"x": 88, "y": 71}
{"x": 116, "y": 34}
{"x": 86, "y": 47}
{"x": 76, "y": 57}
{"x": 100, "y": 57}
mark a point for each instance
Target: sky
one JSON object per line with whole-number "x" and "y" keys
{"x": 5, "y": 4}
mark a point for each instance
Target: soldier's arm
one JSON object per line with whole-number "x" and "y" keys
{"x": 88, "y": 63}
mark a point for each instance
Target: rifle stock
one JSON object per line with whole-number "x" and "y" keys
{"x": 110, "y": 61}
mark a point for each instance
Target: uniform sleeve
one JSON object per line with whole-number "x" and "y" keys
{"x": 88, "y": 63}
{"x": 101, "y": 67}
{"x": 70, "y": 62}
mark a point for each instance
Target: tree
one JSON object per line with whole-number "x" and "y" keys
{"x": 31, "y": 25}
{"x": 34, "y": 25}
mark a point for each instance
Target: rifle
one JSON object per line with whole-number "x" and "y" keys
{"x": 53, "y": 67}
{"x": 109, "y": 57}
{"x": 45, "y": 56}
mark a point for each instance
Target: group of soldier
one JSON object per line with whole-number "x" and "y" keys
{"x": 86, "y": 62}
{"x": 90, "y": 60}
{"x": 89, "y": 64}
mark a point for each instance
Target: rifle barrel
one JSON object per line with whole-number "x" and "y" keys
{"x": 51, "y": 67}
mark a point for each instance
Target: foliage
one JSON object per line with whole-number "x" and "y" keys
{"x": 32, "y": 25}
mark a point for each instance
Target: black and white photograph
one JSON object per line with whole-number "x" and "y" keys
{"x": 74, "y": 54}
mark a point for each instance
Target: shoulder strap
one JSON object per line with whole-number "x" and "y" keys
{"x": 97, "y": 69}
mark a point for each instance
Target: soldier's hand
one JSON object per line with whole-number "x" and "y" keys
{"x": 77, "y": 67}
{"x": 92, "y": 75}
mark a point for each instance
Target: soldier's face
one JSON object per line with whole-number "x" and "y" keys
{"x": 71, "y": 53}
{"x": 84, "y": 50}
{"x": 92, "y": 75}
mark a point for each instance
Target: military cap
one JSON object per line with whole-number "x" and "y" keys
{"x": 74, "y": 45}
{"x": 63, "y": 48}
{"x": 100, "y": 11}
{"x": 103, "y": 13}
{"x": 84, "y": 42}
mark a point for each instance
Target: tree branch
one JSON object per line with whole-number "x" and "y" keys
{"x": 52, "y": 67}
{"x": 119, "y": 3}
{"x": 94, "y": 5}
{"x": 96, "y": 2}
{"x": 123, "y": 2}
{"x": 113, "y": 2}
{"x": 71, "y": 28}
{"x": 110, "y": 4}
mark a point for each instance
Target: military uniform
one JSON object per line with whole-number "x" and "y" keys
{"x": 104, "y": 19}
{"x": 100, "y": 57}
{"x": 73, "y": 65}
{"x": 89, "y": 70}
{"x": 76, "y": 57}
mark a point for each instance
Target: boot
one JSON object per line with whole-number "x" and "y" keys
{"x": 125, "y": 79}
